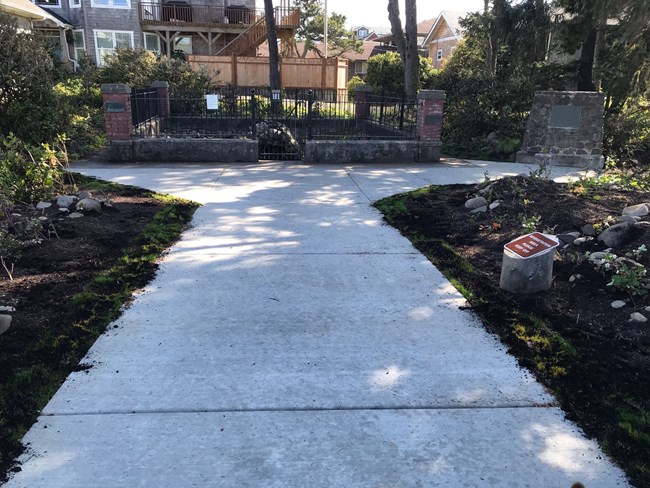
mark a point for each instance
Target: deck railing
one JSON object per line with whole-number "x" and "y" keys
{"x": 177, "y": 14}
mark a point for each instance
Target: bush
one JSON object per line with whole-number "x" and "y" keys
{"x": 29, "y": 173}
{"x": 352, "y": 86}
{"x": 386, "y": 73}
{"x": 139, "y": 67}
{"x": 27, "y": 75}
{"x": 627, "y": 133}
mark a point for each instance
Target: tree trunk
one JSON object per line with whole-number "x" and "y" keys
{"x": 407, "y": 44}
{"x": 586, "y": 64}
{"x": 274, "y": 58}
{"x": 412, "y": 62}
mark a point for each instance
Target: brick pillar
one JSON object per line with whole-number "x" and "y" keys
{"x": 361, "y": 105}
{"x": 117, "y": 111}
{"x": 163, "y": 98}
{"x": 430, "y": 108}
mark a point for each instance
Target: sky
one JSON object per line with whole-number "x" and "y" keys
{"x": 373, "y": 13}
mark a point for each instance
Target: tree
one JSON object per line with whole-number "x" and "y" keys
{"x": 312, "y": 26}
{"x": 386, "y": 73}
{"x": 406, "y": 42}
{"x": 274, "y": 57}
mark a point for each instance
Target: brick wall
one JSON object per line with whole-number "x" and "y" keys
{"x": 430, "y": 109}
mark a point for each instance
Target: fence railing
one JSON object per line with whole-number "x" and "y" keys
{"x": 145, "y": 112}
{"x": 308, "y": 114}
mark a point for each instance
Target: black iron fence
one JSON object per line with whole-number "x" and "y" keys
{"x": 145, "y": 112}
{"x": 291, "y": 116}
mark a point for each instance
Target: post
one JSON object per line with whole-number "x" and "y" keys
{"x": 361, "y": 105}
{"x": 431, "y": 105}
{"x": 253, "y": 114}
{"x": 119, "y": 120}
{"x": 310, "y": 102}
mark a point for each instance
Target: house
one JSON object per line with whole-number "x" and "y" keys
{"x": 168, "y": 27}
{"x": 31, "y": 17}
{"x": 444, "y": 35}
{"x": 370, "y": 33}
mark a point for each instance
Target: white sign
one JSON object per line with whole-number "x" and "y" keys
{"x": 212, "y": 102}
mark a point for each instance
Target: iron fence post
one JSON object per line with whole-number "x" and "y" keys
{"x": 253, "y": 110}
{"x": 381, "y": 108}
{"x": 401, "y": 113}
{"x": 310, "y": 102}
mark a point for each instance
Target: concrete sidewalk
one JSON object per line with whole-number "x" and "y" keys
{"x": 290, "y": 339}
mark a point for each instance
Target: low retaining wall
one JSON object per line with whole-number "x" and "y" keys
{"x": 184, "y": 151}
{"x": 372, "y": 151}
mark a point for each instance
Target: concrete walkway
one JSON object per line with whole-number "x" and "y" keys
{"x": 290, "y": 339}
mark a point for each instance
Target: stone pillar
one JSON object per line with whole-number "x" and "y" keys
{"x": 119, "y": 122}
{"x": 162, "y": 87}
{"x": 429, "y": 124}
{"x": 361, "y": 105}
{"x": 117, "y": 111}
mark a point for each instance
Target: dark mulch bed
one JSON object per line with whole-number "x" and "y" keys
{"x": 68, "y": 288}
{"x": 595, "y": 359}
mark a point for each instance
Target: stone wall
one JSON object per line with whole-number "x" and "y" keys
{"x": 565, "y": 129}
{"x": 372, "y": 151}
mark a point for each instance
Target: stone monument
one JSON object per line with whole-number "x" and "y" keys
{"x": 565, "y": 129}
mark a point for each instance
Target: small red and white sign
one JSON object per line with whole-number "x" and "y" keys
{"x": 532, "y": 245}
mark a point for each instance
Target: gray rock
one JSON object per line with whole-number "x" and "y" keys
{"x": 640, "y": 210}
{"x": 16, "y": 215}
{"x": 618, "y": 304}
{"x": 85, "y": 194}
{"x": 647, "y": 309}
{"x": 75, "y": 215}
{"x": 477, "y": 202}
{"x": 638, "y": 317}
{"x": 629, "y": 262}
{"x": 43, "y": 205}
{"x": 5, "y": 323}
{"x": 43, "y": 219}
{"x": 6, "y": 308}
{"x": 589, "y": 230}
{"x": 642, "y": 225}
{"x": 89, "y": 205}
{"x": 617, "y": 235}
{"x": 568, "y": 237}
{"x": 598, "y": 255}
{"x": 628, "y": 218}
{"x": 493, "y": 137}
{"x": 494, "y": 205}
{"x": 64, "y": 210}
{"x": 480, "y": 209}
{"x": 582, "y": 240}
{"x": 65, "y": 201}
{"x": 575, "y": 277}
{"x": 488, "y": 188}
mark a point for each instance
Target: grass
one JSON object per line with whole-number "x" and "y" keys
{"x": 53, "y": 355}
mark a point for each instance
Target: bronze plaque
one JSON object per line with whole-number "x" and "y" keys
{"x": 433, "y": 119}
{"x": 114, "y": 107}
{"x": 565, "y": 117}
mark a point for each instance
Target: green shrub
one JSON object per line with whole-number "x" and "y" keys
{"x": 352, "y": 86}
{"x": 627, "y": 132}
{"x": 29, "y": 173}
{"x": 386, "y": 73}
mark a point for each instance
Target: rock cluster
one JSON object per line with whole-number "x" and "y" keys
{"x": 276, "y": 139}
{"x": 5, "y": 318}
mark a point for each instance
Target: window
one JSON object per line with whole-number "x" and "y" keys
{"x": 106, "y": 42}
{"x": 183, "y": 44}
{"x": 363, "y": 33}
{"x": 152, "y": 42}
{"x": 79, "y": 43}
{"x": 48, "y": 3}
{"x": 111, "y": 3}
{"x": 75, "y": 3}
{"x": 439, "y": 55}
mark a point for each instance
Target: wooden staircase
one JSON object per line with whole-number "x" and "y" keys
{"x": 286, "y": 21}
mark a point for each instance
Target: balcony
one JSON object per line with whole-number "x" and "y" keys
{"x": 183, "y": 16}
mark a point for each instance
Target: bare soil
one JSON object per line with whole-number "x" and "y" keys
{"x": 590, "y": 354}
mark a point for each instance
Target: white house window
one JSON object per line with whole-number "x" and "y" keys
{"x": 75, "y": 3}
{"x": 48, "y": 3}
{"x": 152, "y": 42}
{"x": 111, "y": 3}
{"x": 79, "y": 43}
{"x": 363, "y": 32}
{"x": 106, "y": 42}
{"x": 439, "y": 55}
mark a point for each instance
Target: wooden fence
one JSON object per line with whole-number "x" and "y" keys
{"x": 329, "y": 73}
